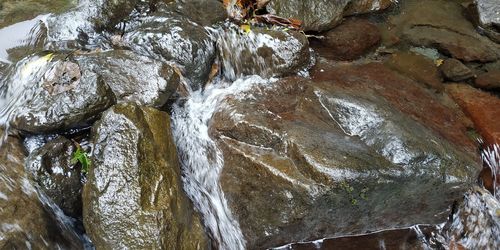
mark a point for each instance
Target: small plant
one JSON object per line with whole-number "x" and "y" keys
{"x": 80, "y": 156}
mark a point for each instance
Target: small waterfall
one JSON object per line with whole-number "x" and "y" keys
{"x": 202, "y": 161}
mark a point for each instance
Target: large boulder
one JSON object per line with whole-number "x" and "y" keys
{"x": 312, "y": 159}
{"x": 322, "y": 15}
{"x": 442, "y": 25}
{"x": 133, "y": 197}
{"x": 70, "y": 91}
{"x": 488, "y": 80}
{"x": 263, "y": 52}
{"x": 51, "y": 93}
{"x": 58, "y": 178}
{"x": 26, "y": 222}
{"x": 170, "y": 37}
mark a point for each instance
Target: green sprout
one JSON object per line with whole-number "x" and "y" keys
{"x": 80, "y": 156}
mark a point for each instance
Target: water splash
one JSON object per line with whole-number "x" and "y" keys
{"x": 491, "y": 159}
{"x": 202, "y": 161}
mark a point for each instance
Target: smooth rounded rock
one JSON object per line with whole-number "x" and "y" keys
{"x": 455, "y": 71}
{"x": 133, "y": 197}
{"x": 351, "y": 39}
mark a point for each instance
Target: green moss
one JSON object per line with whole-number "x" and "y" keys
{"x": 13, "y": 11}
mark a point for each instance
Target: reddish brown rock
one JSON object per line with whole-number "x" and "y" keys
{"x": 406, "y": 95}
{"x": 481, "y": 107}
{"x": 489, "y": 80}
{"x": 349, "y": 151}
{"x": 351, "y": 39}
{"x": 417, "y": 67}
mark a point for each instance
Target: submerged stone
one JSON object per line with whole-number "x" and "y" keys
{"x": 416, "y": 67}
{"x": 350, "y": 40}
{"x": 456, "y": 71}
{"x": 312, "y": 159}
{"x": 133, "y": 197}
{"x": 441, "y": 25}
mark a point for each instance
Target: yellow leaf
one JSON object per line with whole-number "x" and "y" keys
{"x": 439, "y": 62}
{"x": 245, "y": 28}
{"x": 36, "y": 64}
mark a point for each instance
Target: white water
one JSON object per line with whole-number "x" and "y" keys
{"x": 202, "y": 161}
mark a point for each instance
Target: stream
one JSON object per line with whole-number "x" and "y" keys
{"x": 269, "y": 139}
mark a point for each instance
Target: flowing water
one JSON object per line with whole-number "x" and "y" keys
{"x": 202, "y": 162}
{"x": 475, "y": 224}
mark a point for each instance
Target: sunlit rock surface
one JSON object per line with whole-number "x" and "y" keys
{"x": 133, "y": 198}
{"x": 311, "y": 159}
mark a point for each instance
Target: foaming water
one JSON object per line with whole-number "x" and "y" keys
{"x": 22, "y": 85}
{"x": 202, "y": 161}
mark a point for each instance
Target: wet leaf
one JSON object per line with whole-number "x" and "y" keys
{"x": 81, "y": 157}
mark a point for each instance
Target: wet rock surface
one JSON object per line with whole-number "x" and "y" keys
{"x": 75, "y": 27}
{"x": 442, "y": 25}
{"x": 320, "y": 152}
{"x": 202, "y": 12}
{"x": 416, "y": 67}
{"x": 481, "y": 107}
{"x": 350, "y": 40}
{"x": 25, "y": 221}
{"x": 455, "y": 71}
{"x": 65, "y": 96}
{"x": 134, "y": 198}
{"x": 489, "y": 12}
{"x": 405, "y": 95}
{"x": 488, "y": 80}
{"x": 133, "y": 78}
{"x": 170, "y": 37}
{"x": 58, "y": 178}
{"x": 263, "y": 52}
{"x": 321, "y": 15}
